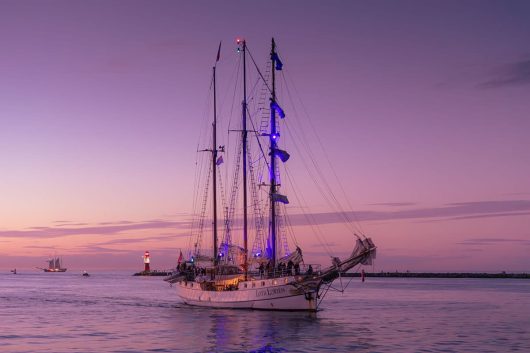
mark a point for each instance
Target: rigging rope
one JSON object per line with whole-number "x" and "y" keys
{"x": 336, "y": 205}
{"x": 259, "y": 71}
{"x": 310, "y": 218}
{"x": 199, "y": 166}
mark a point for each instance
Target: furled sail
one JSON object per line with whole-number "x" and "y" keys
{"x": 362, "y": 246}
{"x": 295, "y": 257}
{"x": 363, "y": 253}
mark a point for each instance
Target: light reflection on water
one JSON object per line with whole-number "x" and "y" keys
{"x": 119, "y": 313}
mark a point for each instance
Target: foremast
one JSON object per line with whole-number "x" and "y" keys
{"x": 214, "y": 151}
{"x": 272, "y": 140}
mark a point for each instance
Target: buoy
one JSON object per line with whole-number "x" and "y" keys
{"x": 146, "y": 261}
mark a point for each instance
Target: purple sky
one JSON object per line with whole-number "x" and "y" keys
{"x": 423, "y": 107}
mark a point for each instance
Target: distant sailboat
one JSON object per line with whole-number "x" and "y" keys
{"x": 54, "y": 265}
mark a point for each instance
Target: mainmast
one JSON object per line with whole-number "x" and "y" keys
{"x": 276, "y": 64}
{"x": 272, "y": 137}
{"x": 244, "y": 141}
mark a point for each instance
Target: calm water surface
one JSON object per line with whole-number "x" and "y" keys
{"x": 113, "y": 312}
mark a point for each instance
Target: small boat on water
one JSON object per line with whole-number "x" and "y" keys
{"x": 54, "y": 265}
{"x": 14, "y": 271}
{"x": 86, "y": 274}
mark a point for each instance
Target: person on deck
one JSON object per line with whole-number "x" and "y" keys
{"x": 309, "y": 270}
{"x": 268, "y": 269}
{"x": 290, "y": 265}
{"x": 261, "y": 269}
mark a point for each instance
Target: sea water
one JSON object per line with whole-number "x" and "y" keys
{"x": 116, "y": 312}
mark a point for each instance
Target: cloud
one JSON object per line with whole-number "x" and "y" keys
{"x": 513, "y": 74}
{"x": 493, "y": 241}
{"x": 38, "y": 247}
{"x": 321, "y": 244}
{"x": 452, "y": 211}
{"x": 102, "y": 250}
{"x": 61, "y": 231}
{"x": 142, "y": 240}
{"x": 393, "y": 204}
{"x": 519, "y": 193}
{"x": 73, "y": 224}
{"x": 509, "y": 214}
{"x": 448, "y": 212}
{"x": 115, "y": 223}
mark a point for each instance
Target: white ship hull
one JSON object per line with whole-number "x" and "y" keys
{"x": 261, "y": 294}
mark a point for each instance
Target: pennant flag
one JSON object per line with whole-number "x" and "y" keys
{"x": 280, "y": 198}
{"x": 278, "y": 109}
{"x": 219, "y": 160}
{"x": 283, "y": 155}
{"x": 277, "y": 61}
{"x": 180, "y": 258}
{"x": 218, "y": 53}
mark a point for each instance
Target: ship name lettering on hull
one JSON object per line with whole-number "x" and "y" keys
{"x": 270, "y": 291}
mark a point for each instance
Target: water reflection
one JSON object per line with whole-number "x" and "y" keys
{"x": 223, "y": 330}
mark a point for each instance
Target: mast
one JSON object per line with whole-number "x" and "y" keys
{"x": 272, "y": 138}
{"x": 244, "y": 141}
{"x": 214, "y": 167}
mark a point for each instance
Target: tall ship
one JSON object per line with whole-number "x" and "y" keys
{"x": 249, "y": 262}
{"x": 54, "y": 265}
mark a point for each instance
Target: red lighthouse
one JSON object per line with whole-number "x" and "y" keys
{"x": 146, "y": 261}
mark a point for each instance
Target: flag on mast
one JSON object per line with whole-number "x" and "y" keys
{"x": 180, "y": 258}
{"x": 283, "y": 155}
{"x": 280, "y": 198}
{"x": 218, "y": 53}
